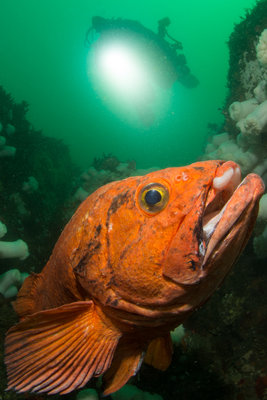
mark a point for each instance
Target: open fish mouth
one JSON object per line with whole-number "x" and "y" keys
{"x": 231, "y": 208}
{"x": 217, "y": 228}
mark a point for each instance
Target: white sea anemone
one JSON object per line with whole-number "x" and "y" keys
{"x": 239, "y": 110}
{"x": 262, "y": 49}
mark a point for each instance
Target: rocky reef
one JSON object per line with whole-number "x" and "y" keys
{"x": 230, "y": 331}
{"x": 244, "y": 135}
{"x": 35, "y": 179}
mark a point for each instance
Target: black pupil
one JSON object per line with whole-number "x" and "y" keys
{"x": 152, "y": 197}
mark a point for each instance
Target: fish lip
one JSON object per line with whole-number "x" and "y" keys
{"x": 215, "y": 207}
{"x": 218, "y": 224}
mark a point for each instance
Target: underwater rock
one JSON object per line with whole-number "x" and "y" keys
{"x": 260, "y": 241}
{"x": 93, "y": 178}
{"x": 242, "y": 317}
{"x": 6, "y": 151}
{"x": 262, "y": 49}
{"x": 260, "y": 91}
{"x": 10, "y": 129}
{"x": 36, "y": 179}
{"x": 30, "y": 185}
{"x": 245, "y": 70}
{"x": 107, "y": 162}
{"x": 246, "y": 118}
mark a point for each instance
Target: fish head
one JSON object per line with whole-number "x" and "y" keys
{"x": 172, "y": 236}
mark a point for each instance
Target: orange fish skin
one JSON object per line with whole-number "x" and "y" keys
{"x": 136, "y": 267}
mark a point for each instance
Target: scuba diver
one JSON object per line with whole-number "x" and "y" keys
{"x": 184, "y": 75}
{"x": 162, "y": 32}
{"x": 170, "y": 65}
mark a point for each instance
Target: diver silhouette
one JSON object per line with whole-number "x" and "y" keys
{"x": 162, "y": 32}
{"x": 170, "y": 64}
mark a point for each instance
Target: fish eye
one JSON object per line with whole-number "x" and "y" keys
{"x": 153, "y": 198}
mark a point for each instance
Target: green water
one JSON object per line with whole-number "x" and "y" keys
{"x": 43, "y": 61}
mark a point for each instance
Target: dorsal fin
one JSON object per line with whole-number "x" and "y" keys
{"x": 59, "y": 350}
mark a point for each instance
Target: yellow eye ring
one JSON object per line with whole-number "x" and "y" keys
{"x": 153, "y": 198}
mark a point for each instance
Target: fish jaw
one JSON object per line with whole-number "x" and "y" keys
{"x": 217, "y": 228}
{"x": 236, "y": 217}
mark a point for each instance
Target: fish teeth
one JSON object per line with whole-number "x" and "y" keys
{"x": 210, "y": 226}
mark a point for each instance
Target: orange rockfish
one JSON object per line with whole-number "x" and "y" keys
{"x": 136, "y": 259}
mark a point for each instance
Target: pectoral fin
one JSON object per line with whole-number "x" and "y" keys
{"x": 59, "y": 350}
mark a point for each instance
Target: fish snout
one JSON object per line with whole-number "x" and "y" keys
{"x": 222, "y": 218}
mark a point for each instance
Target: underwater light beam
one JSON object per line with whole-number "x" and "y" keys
{"x": 121, "y": 69}
{"x": 134, "y": 69}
